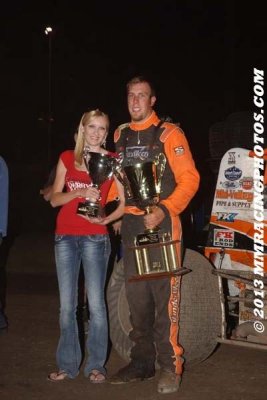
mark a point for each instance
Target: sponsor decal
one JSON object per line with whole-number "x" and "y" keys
{"x": 74, "y": 185}
{"x": 223, "y": 238}
{"x": 230, "y": 185}
{"x": 137, "y": 152}
{"x": 179, "y": 150}
{"x": 174, "y": 300}
{"x": 247, "y": 182}
{"x": 231, "y": 194}
{"x": 232, "y": 204}
{"x": 233, "y": 173}
{"x": 231, "y": 157}
{"x": 238, "y": 204}
{"x": 227, "y": 217}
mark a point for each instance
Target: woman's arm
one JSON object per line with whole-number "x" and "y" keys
{"x": 59, "y": 198}
{"x": 118, "y": 213}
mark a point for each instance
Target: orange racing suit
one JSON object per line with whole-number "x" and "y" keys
{"x": 154, "y": 304}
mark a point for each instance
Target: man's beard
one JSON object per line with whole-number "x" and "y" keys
{"x": 137, "y": 118}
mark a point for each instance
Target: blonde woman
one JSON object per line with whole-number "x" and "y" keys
{"x": 81, "y": 239}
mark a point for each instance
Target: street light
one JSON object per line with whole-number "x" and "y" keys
{"x": 48, "y": 29}
{"x": 48, "y": 32}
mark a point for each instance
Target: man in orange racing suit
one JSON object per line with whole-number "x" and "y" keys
{"x": 154, "y": 304}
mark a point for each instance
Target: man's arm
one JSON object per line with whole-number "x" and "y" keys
{"x": 185, "y": 173}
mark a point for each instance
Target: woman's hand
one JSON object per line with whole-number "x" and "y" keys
{"x": 95, "y": 220}
{"x": 90, "y": 193}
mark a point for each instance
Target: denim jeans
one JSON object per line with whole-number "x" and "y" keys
{"x": 93, "y": 251}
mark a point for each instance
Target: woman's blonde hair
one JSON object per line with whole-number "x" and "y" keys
{"x": 85, "y": 120}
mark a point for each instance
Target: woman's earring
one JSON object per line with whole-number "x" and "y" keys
{"x": 104, "y": 144}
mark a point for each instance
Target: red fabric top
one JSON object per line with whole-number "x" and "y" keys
{"x": 68, "y": 222}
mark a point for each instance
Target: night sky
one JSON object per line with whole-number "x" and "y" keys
{"x": 200, "y": 55}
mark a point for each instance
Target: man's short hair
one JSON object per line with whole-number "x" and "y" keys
{"x": 141, "y": 79}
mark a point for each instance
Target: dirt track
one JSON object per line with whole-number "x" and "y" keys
{"x": 27, "y": 350}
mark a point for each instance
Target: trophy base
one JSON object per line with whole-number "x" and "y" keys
{"x": 91, "y": 210}
{"x": 159, "y": 258}
{"x": 159, "y": 275}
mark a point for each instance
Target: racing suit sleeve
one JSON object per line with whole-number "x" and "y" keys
{"x": 183, "y": 167}
{"x": 112, "y": 193}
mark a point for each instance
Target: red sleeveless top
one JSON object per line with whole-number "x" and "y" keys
{"x": 68, "y": 221}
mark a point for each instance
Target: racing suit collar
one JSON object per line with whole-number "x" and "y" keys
{"x": 151, "y": 120}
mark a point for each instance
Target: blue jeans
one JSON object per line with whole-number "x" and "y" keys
{"x": 93, "y": 251}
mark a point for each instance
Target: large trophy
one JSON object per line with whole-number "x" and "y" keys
{"x": 155, "y": 252}
{"x": 144, "y": 183}
{"x": 100, "y": 167}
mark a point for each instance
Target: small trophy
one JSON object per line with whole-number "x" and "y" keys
{"x": 155, "y": 252}
{"x": 100, "y": 167}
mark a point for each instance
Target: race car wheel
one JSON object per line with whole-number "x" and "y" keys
{"x": 200, "y": 310}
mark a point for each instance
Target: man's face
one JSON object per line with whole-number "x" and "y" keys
{"x": 140, "y": 101}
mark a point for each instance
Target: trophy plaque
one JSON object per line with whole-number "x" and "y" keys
{"x": 100, "y": 167}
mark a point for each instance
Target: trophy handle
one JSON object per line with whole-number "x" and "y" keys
{"x": 124, "y": 181}
{"x": 86, "y": 156}
{"x": 160, "y": 163}
{"x": 121, "y": 176}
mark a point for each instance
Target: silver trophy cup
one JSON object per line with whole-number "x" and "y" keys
{"x": 100, "y": 168}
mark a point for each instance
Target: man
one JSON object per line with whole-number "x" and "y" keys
{"x": 3, "y": 223}
{"x": 154, "y": 304}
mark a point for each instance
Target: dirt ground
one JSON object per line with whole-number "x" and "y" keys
{"x": 27, "y": 350}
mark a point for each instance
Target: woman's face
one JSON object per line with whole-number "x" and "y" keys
{"x": 95, "y": 132}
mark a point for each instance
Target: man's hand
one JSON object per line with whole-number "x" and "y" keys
{"x": 154, "y": 218}
{"x": 117, "y": 227}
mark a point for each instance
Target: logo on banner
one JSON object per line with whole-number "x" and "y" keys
{"x": 233, "y": 173}
{"x": 230, "y": 185}
{"x": 234, "y": 194}
{"x": 247, "y": 182}
{"x": 227, "y": 217}
{"x": 223, "y": 238}
{"x": 231, "y": 157}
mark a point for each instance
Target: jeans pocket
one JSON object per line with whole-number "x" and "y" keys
{"x": 58, "y": 238}
{"x": 97, "y": 238}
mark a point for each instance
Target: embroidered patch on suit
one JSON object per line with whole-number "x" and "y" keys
{"x": 179, "y": 151}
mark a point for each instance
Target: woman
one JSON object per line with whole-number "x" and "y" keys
{"x": 79, "y": 238}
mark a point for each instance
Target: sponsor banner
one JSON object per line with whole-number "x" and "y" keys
{"x": 234, "y": 188}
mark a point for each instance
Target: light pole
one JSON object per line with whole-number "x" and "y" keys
{"x": 48, "y": 32}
